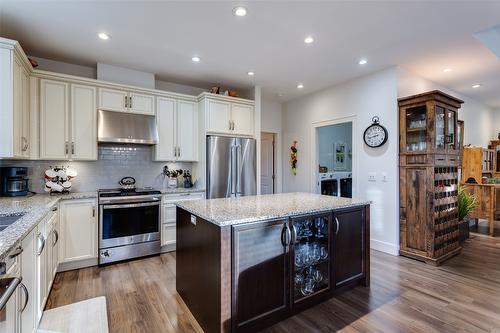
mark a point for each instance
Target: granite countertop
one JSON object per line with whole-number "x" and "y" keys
{"x": 181, "y": 190}
{"x": 230, "y": 211}
{"x": 34, "y": 208}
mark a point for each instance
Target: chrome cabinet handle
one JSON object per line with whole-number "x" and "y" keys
{"x": 230, "y": 125}
{"x": 293, "y": 237}
{"x": 93, "y": 211}
{"x": 233, "y": 125}
{"x": 178, "y": 151}
{"x": 56, "y": 235}
{"x": 16, "y": 252}
{"x": 130, "y": 102}
{"x": 7, "y": 292}
{"x": 42, "y": 246}
{"x": 125, "y": 105}
{"x": 26, "y": 297}
{"x": 72, "y": 148}
{"x": 285, "y": 235}
{"x": 338, "y": 226}
{"x": 54, "y": 208}
{"x": 66, "y": 147}
{"x": 25, "y": 143}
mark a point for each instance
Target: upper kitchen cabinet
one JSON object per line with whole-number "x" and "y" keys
{"x": 14, "y": 101}
{"x": 67, "y": 130}
{"x": 227, "y": 115}
{"x": 177, "y": 130}
{"x": 119, "y": 100}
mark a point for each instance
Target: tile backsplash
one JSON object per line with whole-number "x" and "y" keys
{"x": 114, "y": 162}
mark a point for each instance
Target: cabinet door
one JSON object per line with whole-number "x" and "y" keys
{"x": 260, "y": 265}
{"x": 41, "y": 269}
{"x": 55, "y": 246}
{"x": 187, "y": 131}
{"x": 28, "y": 273}
{"x": 219, "y": 117}
{"x": 139, "y": 103}
{"x": 168, "y": 234}
{"x": 243, "y": 119}
{"x": 311, "y": 258}
{"x": 49, "y": 249}
{"x": 165, "y": 119}
{"x": 53, "y": 120}
{"x": 18, "y": 109}
{"x": 83, "y": 123}
{"x": 25, "y": 116}
{"x": 113, "y": 100}
{"x": 349, "y": 249}
{"x": 78, "y": 230}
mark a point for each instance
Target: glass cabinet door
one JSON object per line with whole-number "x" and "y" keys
{"x": 311, "y": 256}
{"x": 440, "y": 132}
{"x": 416, "y": 128}
{"x": 450, "y": 126}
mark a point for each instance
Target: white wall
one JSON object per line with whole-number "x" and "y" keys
{"x": 66, "y": 68}
{"x": 478, "y": 118}
{"x": 495, "y": 128}
{"x": 117, "y": 74}
{"x": 362, "y": 98}
{"x": 271, "y": 118}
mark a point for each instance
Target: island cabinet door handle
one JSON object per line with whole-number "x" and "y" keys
{"x": 338, "y": 226}
{"x": 293, "y": 236}
{"x": 26, "y": 297}
{"x": 285, "y": 235}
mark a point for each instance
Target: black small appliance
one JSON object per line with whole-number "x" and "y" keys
{"x": 13, "y": 181}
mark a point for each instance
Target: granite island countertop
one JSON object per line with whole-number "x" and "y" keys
{"x": 34, "y": 209}
{"x": 230, "y": 211}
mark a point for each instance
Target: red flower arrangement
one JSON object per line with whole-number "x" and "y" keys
{"x": 293, "y": 157}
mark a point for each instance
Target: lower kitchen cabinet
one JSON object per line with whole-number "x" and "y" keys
{"x": 41, "y": 270}
{"x": 260, "y": 274}
{"x": 78, "y": 230}
{"x": 350, "y": 252}
{"x": 28, "y": 273}
{"x": 169, "y": 219}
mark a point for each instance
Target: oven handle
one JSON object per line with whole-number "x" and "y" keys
{"x": 144, "y": 204}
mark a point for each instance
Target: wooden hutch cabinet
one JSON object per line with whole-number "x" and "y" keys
{"x": 429, "y": 160}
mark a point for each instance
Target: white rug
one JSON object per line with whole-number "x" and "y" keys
{"x": 89, "y": 316}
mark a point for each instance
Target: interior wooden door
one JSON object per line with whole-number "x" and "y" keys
{"x": 349, "y": 249}
{"x": 260, "y": 265}
{"x": 267, "y": 163}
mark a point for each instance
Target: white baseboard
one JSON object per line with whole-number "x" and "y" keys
{"x": 168, "y": 248}
{"x": 71, "y": 265}
{"x": 384, "y": 247}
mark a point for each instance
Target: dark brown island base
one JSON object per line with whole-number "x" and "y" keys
{"x": 246, "y": 263}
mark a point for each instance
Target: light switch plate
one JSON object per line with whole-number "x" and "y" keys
{"x": 372, "y": 176}
{"x": 193, "y": 219}
{"x": 384, "y": 177}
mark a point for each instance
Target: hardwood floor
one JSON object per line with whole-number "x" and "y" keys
{"x": 462, "y": 295}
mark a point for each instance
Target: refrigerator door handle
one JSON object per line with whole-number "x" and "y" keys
{"x": 234, "y": 169}
{"x": 239, "y": 171}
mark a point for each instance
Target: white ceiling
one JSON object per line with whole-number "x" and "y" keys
{"x": 160, "y": 37}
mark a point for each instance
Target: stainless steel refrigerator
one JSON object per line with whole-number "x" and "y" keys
{"x": 231, "y": 167}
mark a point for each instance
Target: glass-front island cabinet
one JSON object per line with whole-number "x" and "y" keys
{"x": 429, "y": 150}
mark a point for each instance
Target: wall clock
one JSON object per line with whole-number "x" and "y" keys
{"x": 375, "y": 135}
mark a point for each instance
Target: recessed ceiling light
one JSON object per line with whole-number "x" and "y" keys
{"x": 240, "y": 11}
{"x": 103, "y": 35}
{"x": 300, "y": 86}
{"x": 477, "y": 85}
{"x": 250, "y": 73}
{"x": 363, "y": 62}
{"x": 447, "y": 70}
{"x": 308, "y": 40}
{"x": 280, "y": 94}
{"x": 196, "y": 59}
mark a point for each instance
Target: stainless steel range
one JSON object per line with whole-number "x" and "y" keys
{"x": 129, "y": 224}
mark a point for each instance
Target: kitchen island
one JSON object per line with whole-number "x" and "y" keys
{"x": 245, "y": 263}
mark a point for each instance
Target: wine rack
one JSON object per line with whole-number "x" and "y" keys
{"x": 429, "y": 161}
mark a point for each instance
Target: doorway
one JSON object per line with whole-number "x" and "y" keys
{"x": 334, "y": 160}
{"x": 268, "y": 163}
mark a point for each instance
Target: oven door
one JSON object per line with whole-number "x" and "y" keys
{"x": 123, "y": 224}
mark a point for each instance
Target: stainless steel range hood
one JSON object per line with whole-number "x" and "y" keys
{"x": 121, "y": 127}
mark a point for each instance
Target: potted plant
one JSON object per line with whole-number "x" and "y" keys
{"x": 172, "y": 176}
{"x": 467, "y": 202}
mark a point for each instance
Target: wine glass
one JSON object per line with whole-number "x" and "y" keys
{"x": 307, "y": 228}
{"x": 319, "y": 226}
{"x": 307, "y": 287}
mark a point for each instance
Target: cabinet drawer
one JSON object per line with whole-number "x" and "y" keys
{"x": 168, "y": 234}
{"x": 169, "y": 213}
{"x": 171, "y": 198}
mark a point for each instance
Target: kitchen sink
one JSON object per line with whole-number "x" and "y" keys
{"x": 8, "y": 219}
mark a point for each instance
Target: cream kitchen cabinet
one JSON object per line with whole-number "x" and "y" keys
{"x": 41, "y": 293}
{"x": 14, "y": 102}
{"x": 78, "y": 230}
{"x": 67, "y": 130}
{"x": 177, "y": 130}
{"x": 226, "y": 117}
{"x": 29, "y": 275}
{"x": 123, "y": 101}
{"x": 168, "y": 230}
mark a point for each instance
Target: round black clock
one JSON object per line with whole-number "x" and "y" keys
{"x": 375, "y": 135}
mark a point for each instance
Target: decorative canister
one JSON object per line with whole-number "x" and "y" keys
{"x": 172, "y": 182}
